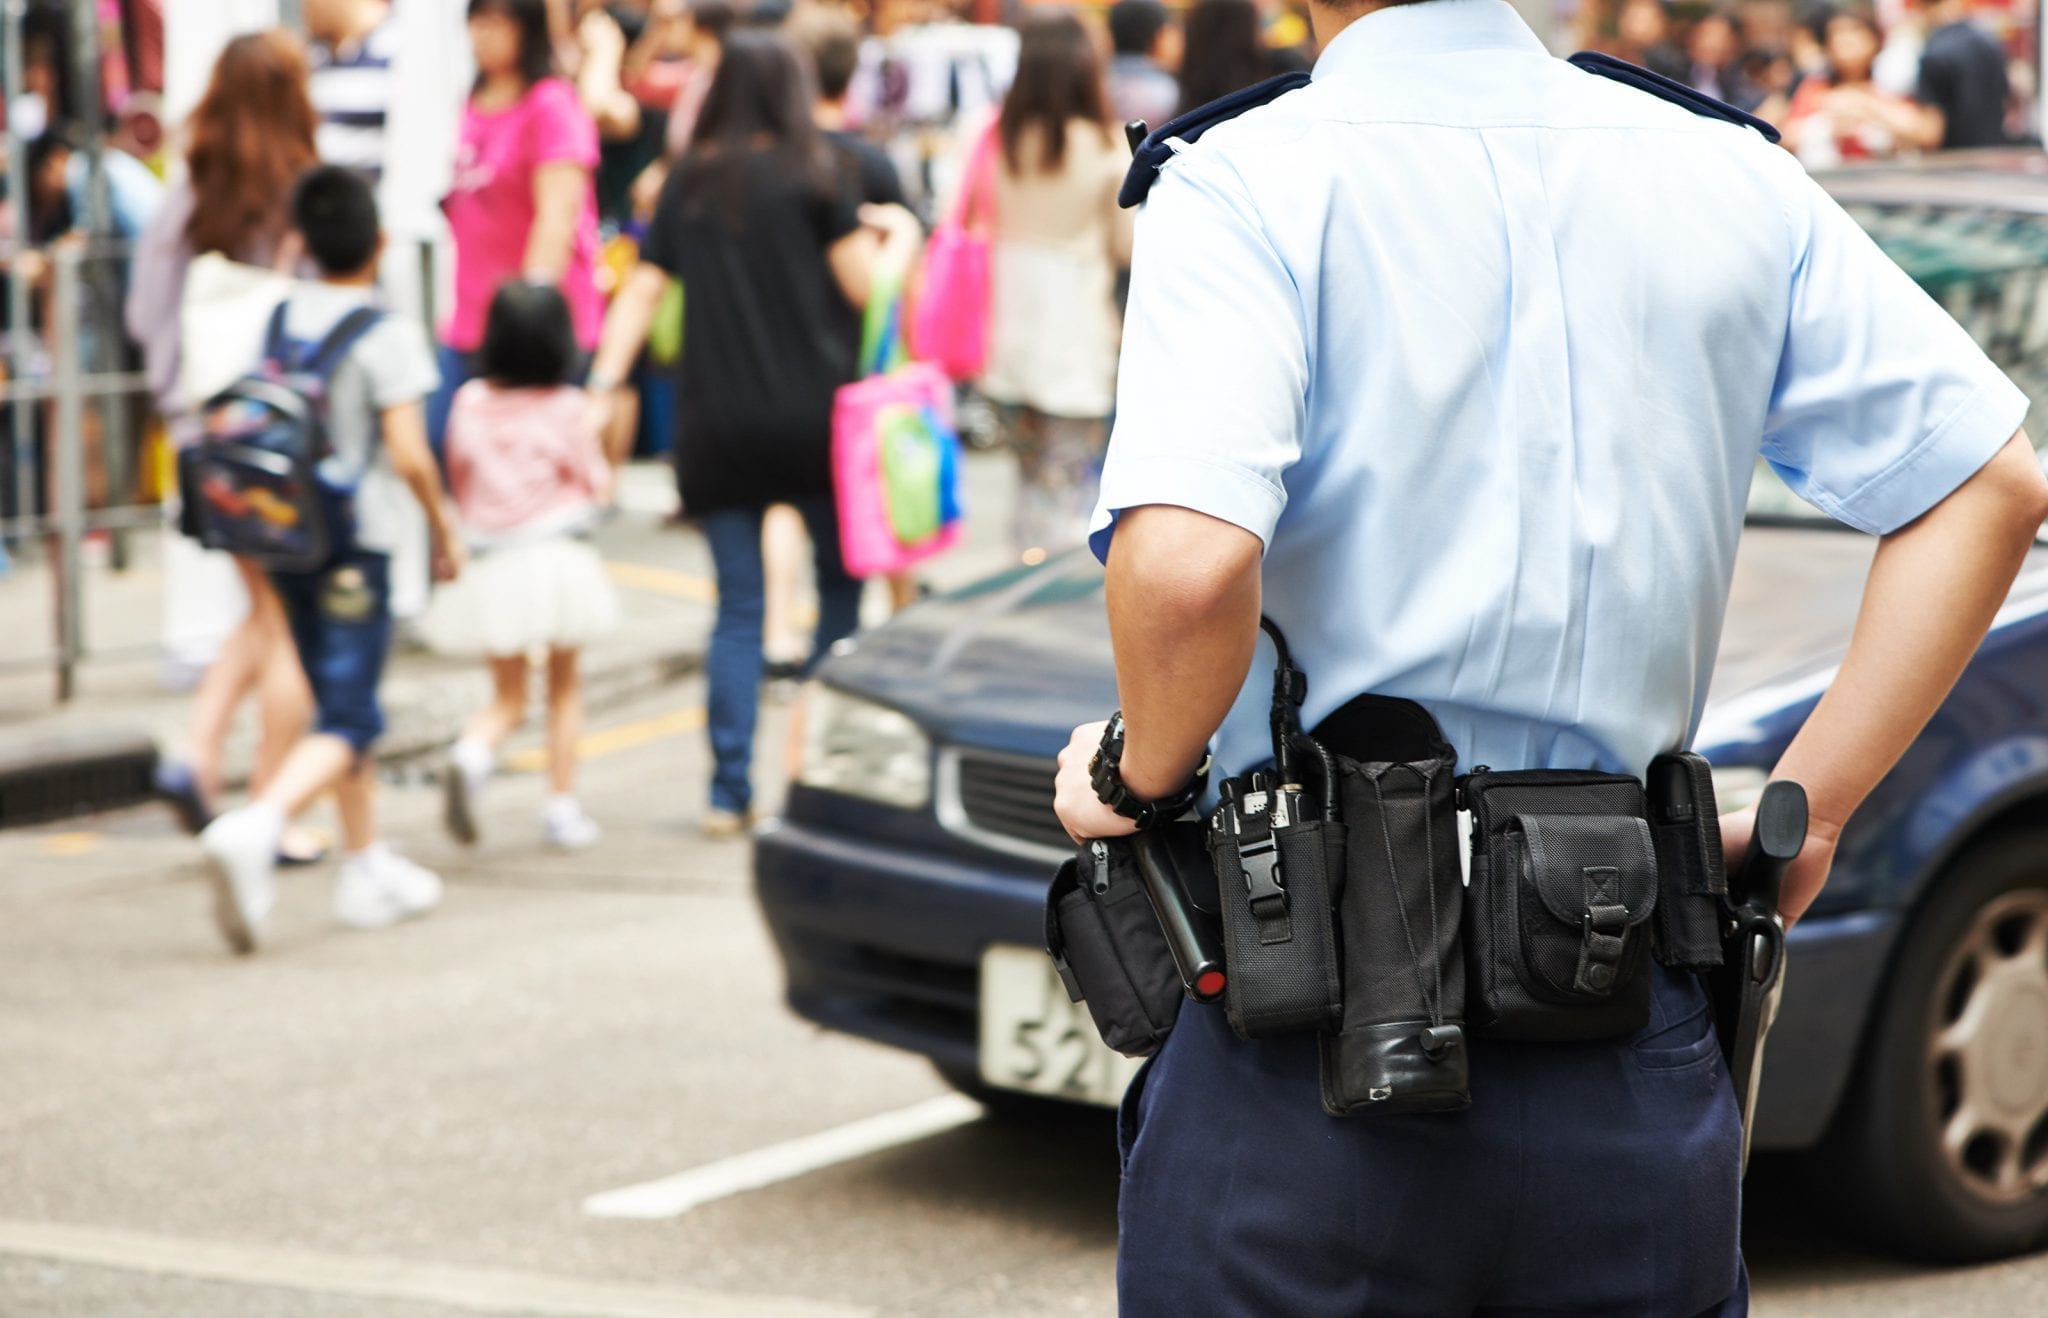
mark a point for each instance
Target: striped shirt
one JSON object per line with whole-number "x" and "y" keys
{"x": 351, "y": 89}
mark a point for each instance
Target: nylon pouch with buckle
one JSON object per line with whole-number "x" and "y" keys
{"x": 1109, "y": 950}
{"x": 1564, "y": 882}
{"x": 1400, "y": 1043}
{"x": 1278, "y": 851}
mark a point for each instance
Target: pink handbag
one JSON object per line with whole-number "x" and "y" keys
{"x": 895, "y": 456}
{"x": 950, "y": 324}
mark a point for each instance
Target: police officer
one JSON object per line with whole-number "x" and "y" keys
{"x": 1456, "y": 361}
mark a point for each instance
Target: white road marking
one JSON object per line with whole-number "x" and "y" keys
{"x": 672, "y": 1196}
{"x": 479, "y": 1290}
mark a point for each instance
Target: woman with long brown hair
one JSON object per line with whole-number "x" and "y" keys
{"x": 246, "y": 143}
{"x": 1059, "y": 240}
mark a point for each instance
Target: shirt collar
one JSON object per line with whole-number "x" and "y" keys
{"x": 1428, "y": 27}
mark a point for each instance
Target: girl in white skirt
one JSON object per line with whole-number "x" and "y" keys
{"x": 529, "y": 477}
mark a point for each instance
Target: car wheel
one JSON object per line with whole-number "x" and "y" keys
{"x": 1942, "y": 1149}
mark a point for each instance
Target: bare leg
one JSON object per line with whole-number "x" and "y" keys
{"x": 284, "y": 698}
{"x": 565, "y": 720}
{"x": 507, "y": 710}
{"x": 232, "y": 674}
{"x": 902, "y": 590}
{"x": 782, "y": 557}
{"x": 355, "y": 797}
{"x": 314, "y": 765}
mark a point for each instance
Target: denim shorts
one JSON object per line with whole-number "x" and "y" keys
{"x": 340, "y": 618}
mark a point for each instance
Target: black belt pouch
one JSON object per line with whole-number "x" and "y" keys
{"x": 1106, "y": 943}
{"x": 1280, "y": 949}
{"x": 1693, "y": 882}
{"x": 1400, "y": 1046}
{"x": 1564, "y": 882}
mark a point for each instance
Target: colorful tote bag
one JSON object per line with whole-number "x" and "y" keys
{"x": 895, "y": 454}
{"x": 950, "y": 326}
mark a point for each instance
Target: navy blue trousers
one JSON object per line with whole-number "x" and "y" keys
{"x": 1586, "y": 1179}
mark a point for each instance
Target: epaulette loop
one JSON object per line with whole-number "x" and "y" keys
{"x": 1669, "y": 89}
{"x": 1181, "y": 130}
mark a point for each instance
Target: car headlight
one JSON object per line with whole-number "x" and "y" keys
{"x": 1738, "y": 785}
{"x": 864, "y": 749}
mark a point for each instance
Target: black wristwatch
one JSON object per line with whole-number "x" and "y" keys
{"x": 1104, "y": 771}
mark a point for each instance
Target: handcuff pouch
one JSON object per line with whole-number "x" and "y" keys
{"x": 1109, "y": 950}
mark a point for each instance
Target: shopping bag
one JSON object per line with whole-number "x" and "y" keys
{"x": 895, "y": 453}
{"x": 950, "y": 327}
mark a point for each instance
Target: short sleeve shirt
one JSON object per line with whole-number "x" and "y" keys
{"x": 1485, "y": 350}
{"x": 391, "y": 365}
{"x": 768, "y": 336}
{"x": 1962, "y": 72}
{"x": 490, "y": 206}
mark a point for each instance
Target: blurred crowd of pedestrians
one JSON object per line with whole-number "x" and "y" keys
{"x": 666, "y": 225}
{"x": 1843, "y": 81}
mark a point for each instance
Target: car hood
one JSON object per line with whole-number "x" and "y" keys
{"x": 1016, "y": 660}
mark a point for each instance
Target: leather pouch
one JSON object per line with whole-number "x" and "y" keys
{"x": 1108, "y": 947}
{"x": 1564, "y": 884}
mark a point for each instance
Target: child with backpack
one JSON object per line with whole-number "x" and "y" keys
{"x": 529, "y": 475}
{"x": 309, "y": 467}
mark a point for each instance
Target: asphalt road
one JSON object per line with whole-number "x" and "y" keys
{"x": 411, "y": 1123}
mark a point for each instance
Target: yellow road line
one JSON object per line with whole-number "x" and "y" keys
{"x": 610, "y": 741}
{"x": 69, "y": 844}
{"x": 663, "y": 581}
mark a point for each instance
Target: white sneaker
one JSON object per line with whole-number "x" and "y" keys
{"x": 241, "y": 850}
{"x": 469, "y": 769}
{"x": 378, "y": 887}
{"x": 566, "y": 824}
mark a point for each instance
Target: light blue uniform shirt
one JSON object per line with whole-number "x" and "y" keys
{"x": 1484, "y": 349}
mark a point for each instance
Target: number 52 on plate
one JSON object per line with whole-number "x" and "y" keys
{"x": 1035, "y": 1041}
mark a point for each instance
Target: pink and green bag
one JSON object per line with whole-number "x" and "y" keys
{"x": 895, "y": 454}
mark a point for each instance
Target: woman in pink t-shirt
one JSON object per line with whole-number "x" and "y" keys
{"x": 521, "y": 204}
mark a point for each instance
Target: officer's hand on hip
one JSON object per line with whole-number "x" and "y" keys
{"x": 1081, "y": 812}
{"x": 1808, "y": 873}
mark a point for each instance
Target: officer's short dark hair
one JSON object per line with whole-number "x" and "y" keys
{"x": 336, "y": 212}
{"x": 1135, "y": 25}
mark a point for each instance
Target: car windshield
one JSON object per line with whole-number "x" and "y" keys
{"x": 1989, "y": 269}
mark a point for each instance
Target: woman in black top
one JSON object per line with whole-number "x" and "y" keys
{"x": 775, "y": 256}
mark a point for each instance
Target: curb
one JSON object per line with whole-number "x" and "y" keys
{"x": 81, "y": 773}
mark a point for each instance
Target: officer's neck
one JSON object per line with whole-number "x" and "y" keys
{"x": 1330, "y": 19}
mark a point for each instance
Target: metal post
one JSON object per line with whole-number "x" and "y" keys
{"x": 103, "y": 278}
{"x": 69, "y": 453}
{"x": 20, "y": 340}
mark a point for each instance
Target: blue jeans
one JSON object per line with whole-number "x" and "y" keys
{"x": 340, "y": 619}
{"x": 1587, "y": 1178}
{"x": 457, "y": 369}
{"x": 734, "y": 665}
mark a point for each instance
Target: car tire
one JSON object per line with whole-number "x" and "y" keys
{"x": 1941, "y": 1149}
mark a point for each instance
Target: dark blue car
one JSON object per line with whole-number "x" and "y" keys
{"x": 904, "y": 882}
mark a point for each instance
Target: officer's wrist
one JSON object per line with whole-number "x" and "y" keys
{"x": 1150, "y": 783}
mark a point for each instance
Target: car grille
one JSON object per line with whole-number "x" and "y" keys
{"x": 1003, "y": 802}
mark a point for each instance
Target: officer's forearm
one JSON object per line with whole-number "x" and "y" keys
{"x": 1183, "y": 617}
{"x": 1934, "y": 588}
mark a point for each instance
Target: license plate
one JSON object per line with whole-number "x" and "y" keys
{"x": 1037, "y": 1042}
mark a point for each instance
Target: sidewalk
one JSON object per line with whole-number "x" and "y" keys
{"x": 662, "y": 572}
